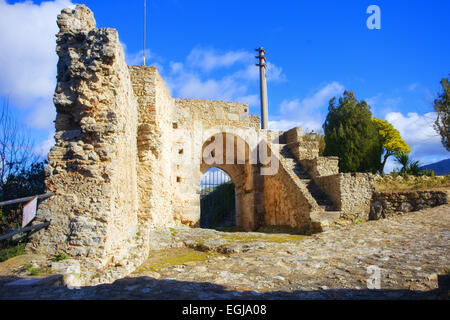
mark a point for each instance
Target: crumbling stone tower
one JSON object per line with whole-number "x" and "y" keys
{"x": 128, "y": 158}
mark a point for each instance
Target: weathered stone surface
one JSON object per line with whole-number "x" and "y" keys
{"x": 94, "y": 211}
{"x": 388, "y": 203}
{"x": 329, "y": 265}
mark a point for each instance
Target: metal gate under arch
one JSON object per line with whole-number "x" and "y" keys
{"x": 217, "y": 200}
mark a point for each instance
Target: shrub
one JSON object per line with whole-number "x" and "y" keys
{"x": 9, "y": 253}
{"x": 59, "y": 257}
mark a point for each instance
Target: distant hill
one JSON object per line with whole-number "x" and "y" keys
{"x": 440, "y": 168}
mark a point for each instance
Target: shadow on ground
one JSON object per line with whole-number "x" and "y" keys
{"x": 51, "y": 288}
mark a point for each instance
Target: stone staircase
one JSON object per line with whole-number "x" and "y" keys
{"x": 323, "y": 213}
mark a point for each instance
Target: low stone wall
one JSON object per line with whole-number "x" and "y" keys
{"x": 388, "y": 203}
{"x": 321, "y": 166}
{"x": 350, "y": 193}
{"x": 300, "y": 149}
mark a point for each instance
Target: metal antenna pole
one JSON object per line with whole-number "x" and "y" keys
{"x": 145, "y": 27}
{"x": 263, "y": 87}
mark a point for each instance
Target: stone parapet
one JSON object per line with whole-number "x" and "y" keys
{"x": 216, "y": 113}
{"x": 350, "y": 193}
{"x": 390, "y": 203}
{"x": 321, "y": 166}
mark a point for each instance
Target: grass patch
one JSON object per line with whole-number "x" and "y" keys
{"x": 36, "y": 271}
{"x": 159, "y": 260}
{"x": 59, "y": 257}
{"x": 9, "y": 253}
{"x": 411, "y": 183}
{"x": 95, "y": 276}
{"x": 272, "y": 238}
{"x": 173, "y": 232}
{"x": 283, "y": 230}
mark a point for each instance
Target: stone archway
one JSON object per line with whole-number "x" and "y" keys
{"x": 232, "y": 155}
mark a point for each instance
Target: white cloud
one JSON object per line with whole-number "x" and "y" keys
{"x": 393, "y": 102}
{"x": 413, "y": 86}
{"x": 187, "y": 84}
{"x": 273, "y": 73}
{"x": 252, "y": 100}
{"x": 209, "y": 59}
{"x": 382, "y": 105}
{"x": 307, "y": 125}
{"x": 417, "y": 131}
{"x": 191, "y": 79}
{"x": 28, "y": 60}
{"x": 137, "y": 58}
{"x": 317, "y": 100}
{"x": 42, "y": 114}
{"x": 372, "y": 101}
{"x": 27, "y": 49}
{"x": 176, "y": 67}
{"x": 43, "y": 149}
{"x": 308, "y": 113}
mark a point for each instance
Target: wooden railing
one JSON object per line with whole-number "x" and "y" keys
{"x": 35, "y": 227}
{"x": 26, "y": 199}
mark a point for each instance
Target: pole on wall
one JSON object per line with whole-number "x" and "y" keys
{"x": 263, "y": 86}
{"x": 145, "y": 26}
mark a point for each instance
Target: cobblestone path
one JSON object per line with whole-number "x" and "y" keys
{"x": 409, "y": 251}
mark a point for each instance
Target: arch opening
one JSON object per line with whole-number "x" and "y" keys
{"x": 230, "y": 153}
{"x": 217, "y": 200}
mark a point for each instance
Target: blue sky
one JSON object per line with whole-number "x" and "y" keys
{"x": 204, "y": 49}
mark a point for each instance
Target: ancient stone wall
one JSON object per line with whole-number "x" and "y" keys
{"x": 350, "y": 193}
{"x": 215, "y": 114}
{"x": 154, "y": 140}
{"x": 93, "y": 166}
{"x": 388, "y": 203}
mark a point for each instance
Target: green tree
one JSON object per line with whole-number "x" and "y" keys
{"x": 351, "y": 135}
{"x": 403, "y": 159}
{"x": 442, "y": 108}
{"x": 391, "y": 140}
{"x": 411, "y": 167}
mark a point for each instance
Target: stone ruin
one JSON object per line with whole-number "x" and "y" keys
{"x": 128, "y": 158}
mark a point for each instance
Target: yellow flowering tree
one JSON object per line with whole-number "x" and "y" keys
{"x": 391, "y": 140}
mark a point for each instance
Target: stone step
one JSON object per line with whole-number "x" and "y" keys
{"x": 324, "y": 220}
{"x": 326, "y": 207}
{"x": 291, "y": 163}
